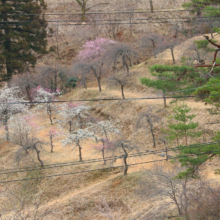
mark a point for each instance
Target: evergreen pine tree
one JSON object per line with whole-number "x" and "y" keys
{"x": 22, "y": 35}
{"x": 182, "y": 126}
{"x": 171, "y": 78}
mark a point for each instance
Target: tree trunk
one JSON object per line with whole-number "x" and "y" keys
{"x": 49, "y": 112}
{"x": 5, "y": 122}
{"x": 186, "y": 138}
{"x": 51, "y": 143}
{"x": 164, "y": 100}
{"x": 103, "y": 152}
{"x": 57, "y": 37}
{"x": 99, "y": 82}
{"x": 38, "y": 156}
{"x": 125, "y": 159}
{"x": 125, "y": 64}
{"x": 80, "y": 121}
{"x": 7, "y": 44}
{"x": 80, "y": 151}
{"x": 172, "y": 53}
{"x": 70, "y": 126}
{"x": 28, "y": 88}
{"x": 152, "y": 132}
{"x": 151, "y": 6}
{"x": 154, "y": 52}
{"x": 55, "y": 81}
{"x": 122, "y": 91}
{"x": 106, "y": 136}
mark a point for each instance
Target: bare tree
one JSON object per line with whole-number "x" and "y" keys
{"x": 169, "y": 189}
{"x": 97, "y": 70}
{"x": 82, "y": 70}
{"x": 22, "y": 209}
{"x": 26, "y": 82}
{"x": 151, "y": 43}
{"x": 84, "y": 7}
{"x": 130, "y": 6}
{"x": 149, "y": 118}
{"x": 123, "y": 148}
{"x": 120, "y": 79}
{"x": 151, "y": 6}
{"x": 120, "y": 52}
{"x": 113, "y": 27}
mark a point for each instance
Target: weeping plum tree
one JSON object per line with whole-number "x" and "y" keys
{"x": 122, "y": 52}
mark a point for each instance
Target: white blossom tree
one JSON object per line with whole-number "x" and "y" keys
{"x": 11, "y": 102}
{"x": 53, "y": 134}
{"x": 74, "y": 115}
{"x": 47, "y": 96}
{"x": 104, "y": 129}
{"x": 23, "y": 133}
{"x": 77, "y": 137}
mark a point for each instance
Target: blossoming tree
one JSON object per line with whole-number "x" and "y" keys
{"x": 104, "y": 129}
{"x": 91, "y": 55}
{"x": 74, "y": 115}
{"x": 46, "y": 96}
{"x": 24, "y": 131}
{"x": 11, "y": 102}
{"x": 77, "y": 137}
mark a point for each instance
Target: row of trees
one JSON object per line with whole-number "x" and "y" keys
{"x": 75, "y": 125}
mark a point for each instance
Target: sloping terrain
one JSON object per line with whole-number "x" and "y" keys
{"x": 104, "y": 193}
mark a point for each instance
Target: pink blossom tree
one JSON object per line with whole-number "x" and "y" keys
{"x": 93, "y": 50}
{"x": 92, "y": 54}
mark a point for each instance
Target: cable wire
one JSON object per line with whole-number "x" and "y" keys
{"x": 108, "y": 168}
{"x": 110, "y": 99}
{"x": 144, "y": 153}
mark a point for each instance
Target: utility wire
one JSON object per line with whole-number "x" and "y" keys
{"x": 110, "y": 20}
{"x": 108, "y": 168}
{"x": 144, "y": 153}
{"x": 95, "y": 100}
{"x": 117, "y": 12}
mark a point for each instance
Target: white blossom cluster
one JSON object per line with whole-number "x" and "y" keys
{"x": 78, "y": 135}
{"x": 9, "y": 102}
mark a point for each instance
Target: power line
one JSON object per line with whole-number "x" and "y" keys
{"x": 108, "y": 168}
{"x": 110, "y": 20}
{"x": 110, "y": 99}
{"x": 107, "y": 13}
{"x": 144, "y": 153}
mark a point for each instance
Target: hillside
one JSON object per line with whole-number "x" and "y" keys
{"x": 63, "y": 188}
